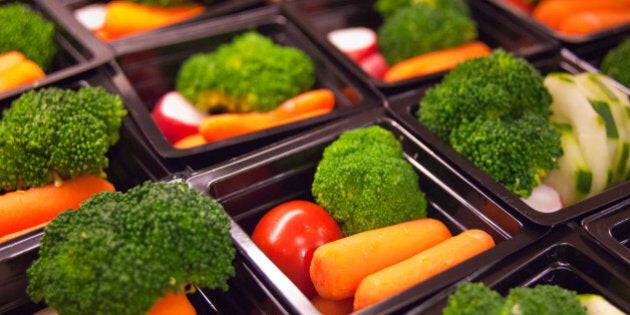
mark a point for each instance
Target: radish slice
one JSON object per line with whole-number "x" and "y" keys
{"x": 545, "y": 198}
{"x": 176, "y": 117}
{"x": 91, "y": 16}
{"x": 354, "y": 42}
{"x": 374, "y": 65}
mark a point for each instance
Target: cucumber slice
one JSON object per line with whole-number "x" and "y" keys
{"x": 570, "y": 106}
{"x": 597, "y": 305}
{"x": 573, "y": 178}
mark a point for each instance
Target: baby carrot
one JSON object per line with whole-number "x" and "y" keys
{"x": 223, "y": 126}
{"x": 338, "y": 267}
{"x": 428, "y": 263}
{"x": 332, "y": 307}
{"x": 305, "y": 102}
{"x": 190, "y": 142}
{"x": 435, "y": 61}
{"x": 584, "y": 23}
{"x": 23, "y": 72}
{"x": 124, "y": 18}
{"x": 26, "y": 208}
{"x": 9, "y": 59}
{"x": 173, "y": 304}
{"x": 552, "y": 12}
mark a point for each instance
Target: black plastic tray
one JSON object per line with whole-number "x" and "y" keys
{"x": 250, "y": 186}
{"x": 611, "y": 229}
{"x": 403, "y": 106}
{"x": 75, "y": 53}
{"x": 571, "y": 41}
{"x": 495, "y": 28}
{"x": 566, "y": 258}
{"x": 151, "y": 71}
{"x": 63, "y": 11}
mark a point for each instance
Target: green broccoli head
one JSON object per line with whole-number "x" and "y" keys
{"x": 53, "y": 134}
{"x": 419, "y": 29}
{"x": 251, "y": 73}
{"x": 474, "y": 298}
{"x": 543, "y": 299}
{"x": 388, "y": 7}
{"x": 28, "y": 32}
{"x": 120, "y": 252}
{"x": 616, "y": 63}
{"x": 364, "y": 182}
{"x": 516, "y": 152}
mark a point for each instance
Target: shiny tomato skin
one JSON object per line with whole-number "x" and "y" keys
{"x": 289, "y": 234}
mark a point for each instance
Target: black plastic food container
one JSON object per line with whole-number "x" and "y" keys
{"x": 495, "y": 28}
{"x": 567, "y": 258}
{"x": 75, "y": 53}
{"x": 249, "y": 186}
{"x": 404, "y": 106}
{"x": 64, "y": 11}
{"x": 150, "y": 72}
{"x": 611, "y": 229}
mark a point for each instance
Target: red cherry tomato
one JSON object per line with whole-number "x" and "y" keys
{"x": 289, "y": 234}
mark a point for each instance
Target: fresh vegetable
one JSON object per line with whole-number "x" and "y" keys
{"x": 596, "y": 304}
{"x": 172, "y": 304}
{"x": 305, "y": 105}
{"x": 91, "y": 16}
{"x": 332, "y": 307}
{"x": 365, "y": 183}
{"x": 553, "y": 12}
{"x": 543, "y": 299}
{"x": 616, "y": 63}
{"x": 374, "y": 65}
{"x": 20, "y": 210}
{"x": 289, "y": 234}
{"x": 191, "y": 141}
{"x": 435, "y": 61}
{"x": 53, "y": 134}
{"x": 388, "y": 7}
{"x": 125, "y": 18}
{"x": 419, "y": 29}
{"x": 338, "y": 267}
{"x": 355, "y": 42}
{"x": 391, "y": 280}
{"x": 16, "y": 70}
{"x": 251, "y": 73}
{"x": 495, "y": 111}
{"x": 474, "y": 298}
{"x": 585, "y": 23}
{"x": 525, "y": 6}
{"x": 545, "y": 198}
{"x": 27, "y": 31}
{"x": 176, "y": 117}
{"x": 122, "y": 251}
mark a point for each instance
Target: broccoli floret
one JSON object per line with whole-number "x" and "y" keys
{"x": 54, "y": 134}
{"x": 251, "y": 73}
{"x": 474, "y": 298}
{"x": 616, "y": 63}
{"x": 28, "y": 32}
{"x": 364, "y": 182}
{"x": 419, "y": 29}
{"x": 543, "y": 299}
{"x": 121, "y": 251}
{"x": 387, "y": 7}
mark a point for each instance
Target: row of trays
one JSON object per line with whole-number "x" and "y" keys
{"x": 584, "y": 247}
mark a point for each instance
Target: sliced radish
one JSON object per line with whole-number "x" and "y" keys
{"x": 374, "y": 65}
{"x": 176, "y": 117}
{"x": 545, "y": 198}
{"x": 355, "y": 42}
{"x": 91, "y": 16}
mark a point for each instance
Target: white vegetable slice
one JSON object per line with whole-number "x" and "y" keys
{"x": 545, "y": 198}
{"x": 355, "y": 42}
{"x": 91, "y": 16}
{"x": 570, "y": 106}
{"x": 597, "y": 305}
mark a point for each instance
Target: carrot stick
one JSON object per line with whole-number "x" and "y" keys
{"x": 23, "y": 72}
{"x": 173, "y": 304}
{"x": 190, "y": 141}
{"x": 9, "y": 59}
{"x": 124, "y": 18}
{"x": 396, "y": 278}
{"x": 435, "y": 61}
{"x": 584, "y": 23}
{"x": 27, "y": 208}
{"x": 552, "y": 12}
{"x": 338, "y": 267}
{"x": 332, "y": 307}
{"x": 303, "y": 106}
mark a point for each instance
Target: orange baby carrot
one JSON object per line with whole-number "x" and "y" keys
{"x": 173, "y": 304}
{"x": 9, "y": 59}
{"x": 124, "y": 18}
{"x": 428, "y": 263}
{"x": 27, "y": 208}
{"x": 552, "y": 12}
{"x": 338, "y": 267}
{"x": 190, "y": 141}
{"x": 435, "y": 61}
{"x": 223, "y": 126}
{"x": 305, "y": 102}
{"x": 332, "y": 307}
{"x": 23, "y": 72}
{"x": 584, "y": 23}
